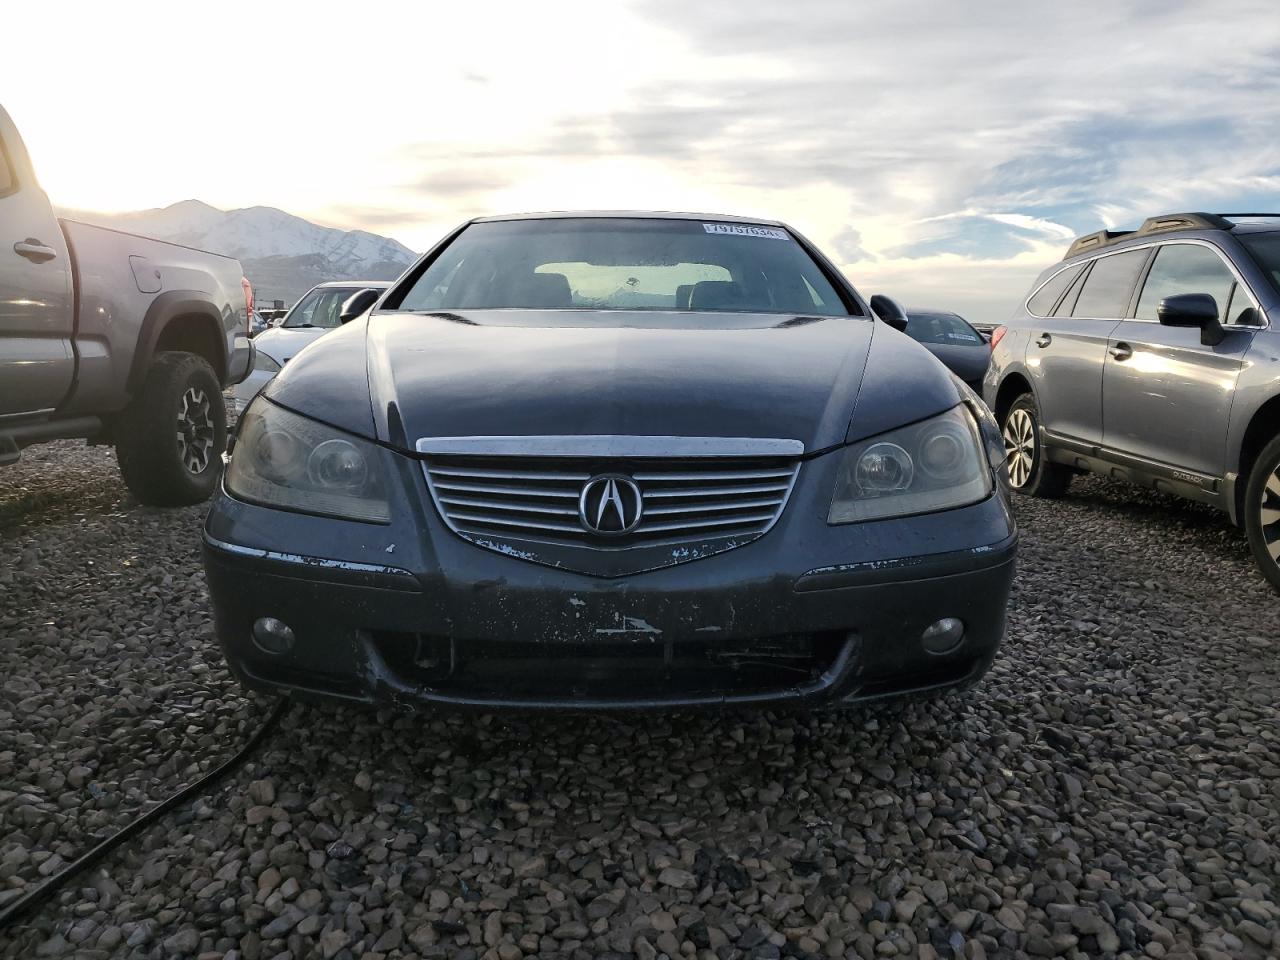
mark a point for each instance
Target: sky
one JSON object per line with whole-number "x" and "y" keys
{"x": 942, "y": 153}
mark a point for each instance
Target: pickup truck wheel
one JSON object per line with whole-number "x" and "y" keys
{"x": 170, "y": 439}
{"x": 1026, "y": 466}
{"x": 1262, "y": 512}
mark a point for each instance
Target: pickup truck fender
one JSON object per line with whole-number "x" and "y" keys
{"x": 182, "y": 320}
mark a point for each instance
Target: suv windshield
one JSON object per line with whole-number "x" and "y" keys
{"x": 320, "y": 307}
{"x": 1265, "y": 250}
{"x": 616, "y": 263}
{"x": 940, "y": 328}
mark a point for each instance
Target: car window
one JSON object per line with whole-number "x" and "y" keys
{"x": 1242, "y": 309}
{"x": 1185, "y": 268}
{"x": 659, "y": 287}
{"x": 1265, "y": 250}
{"x": 624, "y": 263}
{"x": 941, "y": 328}
{"x": 320, "y": 308}
{"x": 1069, "y": 301}
{"x": 1041, "y": 305}
{"x": 1106, "y": 290}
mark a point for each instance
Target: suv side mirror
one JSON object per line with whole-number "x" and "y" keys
{"x": 890, "y": 311}
{"x": 358, "y": 303}
{"x": 1193, "y": 310}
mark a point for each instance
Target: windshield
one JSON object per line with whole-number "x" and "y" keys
{"x": 1265, "y": 250}
{"x": 616, "y": 263}
{"x": 940, "y": 328}
{"x": 320, "y": 307}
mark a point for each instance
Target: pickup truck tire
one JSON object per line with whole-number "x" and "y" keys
{"x": 1262, "y": 511}
{"x": 1028, "y": 470}
{"x": 180, "y": 400}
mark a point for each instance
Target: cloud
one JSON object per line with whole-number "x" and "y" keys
{"x": 939, "y": 151}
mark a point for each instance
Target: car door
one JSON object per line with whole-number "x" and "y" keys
{"x": 1166, "y": 396}
{"x": 1066, "y": 352}
{"x": 36, "y": 360}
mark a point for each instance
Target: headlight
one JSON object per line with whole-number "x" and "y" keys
{"x": 933, "y": 465}
{"x": 988, "y": 429}
{"x": 283, "y": 460}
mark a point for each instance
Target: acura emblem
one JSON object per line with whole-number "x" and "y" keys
{"x": 610, "y": 504}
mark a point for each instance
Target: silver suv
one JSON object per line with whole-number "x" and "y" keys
{"x": 1150, "y": 356}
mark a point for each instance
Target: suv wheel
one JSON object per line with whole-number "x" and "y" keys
{"x": 1025, "y": 465}
{"x": 1262, "y": 511}
{"x": 170, "y": 439}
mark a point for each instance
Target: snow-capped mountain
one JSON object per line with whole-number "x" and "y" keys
{"x": 283, "y": 255}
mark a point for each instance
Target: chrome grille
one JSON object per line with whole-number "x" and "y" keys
{"x": 684, "y": 500}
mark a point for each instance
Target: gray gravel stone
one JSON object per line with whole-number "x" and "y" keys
{"x": 1110, "y": 788}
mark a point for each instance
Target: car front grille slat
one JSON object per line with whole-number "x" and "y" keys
{"x": 684, "y": 501}
{"x": 493, "y": 520}
{"x": 509, "y": 474}
{"x": 485, "y": 505}
{"x": 705, "y": 475}
{"x": 717, "y": 491}
{"x": 721, "y": 522}
{"x": 509, "y": 491}
{"x": 708, "y": 507}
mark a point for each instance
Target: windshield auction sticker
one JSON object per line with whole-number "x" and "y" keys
{"x": 745, "y": 230}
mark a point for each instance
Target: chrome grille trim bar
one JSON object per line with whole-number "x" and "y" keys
{"x": 610, "y": 446}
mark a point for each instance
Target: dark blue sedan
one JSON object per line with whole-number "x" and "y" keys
{"x": 951, "y": 339}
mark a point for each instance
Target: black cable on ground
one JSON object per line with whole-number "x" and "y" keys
{"x": 45, "y": 891}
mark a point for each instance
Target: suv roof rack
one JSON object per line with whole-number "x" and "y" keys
{"x": 1160, "y": 224}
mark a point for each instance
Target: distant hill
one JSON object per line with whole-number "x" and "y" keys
{"x": 283, "y": 255}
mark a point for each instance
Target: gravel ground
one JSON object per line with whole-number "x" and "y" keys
{"x": 1111, "y": 788}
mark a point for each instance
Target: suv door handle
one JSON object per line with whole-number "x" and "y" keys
{"x": 34, "y": 250}
{"x": 1121, "y": 351}
{"x": 1044, "y": 340}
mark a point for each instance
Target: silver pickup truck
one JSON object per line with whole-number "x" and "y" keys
{"x": 117, "y": 339}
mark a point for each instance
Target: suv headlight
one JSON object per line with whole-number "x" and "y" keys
{"x": 933, "y": 465}
{"x": 283, "y": 460}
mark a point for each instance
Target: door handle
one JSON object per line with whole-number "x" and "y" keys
{"x": 34, "y": 250}
{"x": 1121, "y": 351}
{"x": 1043, "y": 340}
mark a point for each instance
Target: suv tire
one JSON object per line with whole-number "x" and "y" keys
{"x": 180, "y": 396}
{"x": 1262, "y": 511}
{"x": 1026, "y": 469}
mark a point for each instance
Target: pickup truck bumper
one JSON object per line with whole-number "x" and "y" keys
{"x": 242, "y": 357}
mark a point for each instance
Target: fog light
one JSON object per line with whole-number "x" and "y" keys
{"x": 272, "y": 635}
{"x": 943, "y": 636}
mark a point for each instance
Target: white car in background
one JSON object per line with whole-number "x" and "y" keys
{"x": 311, "y": 318}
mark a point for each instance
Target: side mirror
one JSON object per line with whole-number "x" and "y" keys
{"x": 1193, "y": 310}
{"x": 357, "y": 304}
{"x": 890, "y": 311}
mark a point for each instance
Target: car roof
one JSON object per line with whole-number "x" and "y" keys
{"x": 933, "y": 311}
{"x": 1174, "y": 224}
{"x": 373, "y": 284}
{"x": 630, "y": 214}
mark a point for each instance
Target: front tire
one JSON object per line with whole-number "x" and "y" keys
{"x": 170, "y": 439}
{"x": 1026, "y": 467}
{"x": 1262, "y": 512}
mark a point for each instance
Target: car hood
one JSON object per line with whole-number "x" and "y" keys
{"x": 282, "y": 343}
{"x": 548, "y": 372}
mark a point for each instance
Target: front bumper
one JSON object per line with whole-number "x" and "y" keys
{"x": 409, "y": 613}
{"x": 529, "y": 637}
